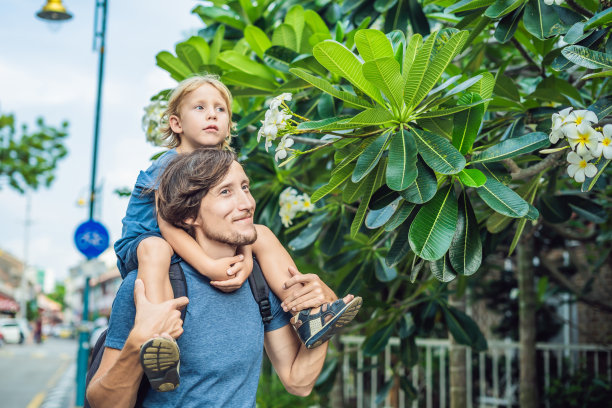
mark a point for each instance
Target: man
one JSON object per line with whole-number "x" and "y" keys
{"x": 221, "y": 346}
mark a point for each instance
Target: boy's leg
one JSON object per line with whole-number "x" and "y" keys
{"x": 159, "y": 356}
{"x": 154, "y": 255}
{"x": 328, "y": 318}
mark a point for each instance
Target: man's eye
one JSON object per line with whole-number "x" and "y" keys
{"x": 225, "y": 191}
{"x": 246, "y": 187}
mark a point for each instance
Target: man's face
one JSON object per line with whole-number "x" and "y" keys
{"x": 226, "y": 212}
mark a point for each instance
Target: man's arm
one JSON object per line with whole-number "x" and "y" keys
{"x": 116, "y": 382}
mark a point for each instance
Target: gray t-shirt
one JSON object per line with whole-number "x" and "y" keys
{"x": 221, "y": 347}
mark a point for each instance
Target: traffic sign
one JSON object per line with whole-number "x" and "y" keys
{"x": 91, "y": 238}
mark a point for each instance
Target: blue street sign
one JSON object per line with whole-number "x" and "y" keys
{"x": 91, "y": 238}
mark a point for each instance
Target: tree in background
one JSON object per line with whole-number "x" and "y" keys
{"x": 396, "y": 144}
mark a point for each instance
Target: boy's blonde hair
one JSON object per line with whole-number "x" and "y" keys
{"x": 182, "y": 89}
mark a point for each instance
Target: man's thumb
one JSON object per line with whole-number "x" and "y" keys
{"x": 139, "y": 292}
{"x": 179, "y": 303}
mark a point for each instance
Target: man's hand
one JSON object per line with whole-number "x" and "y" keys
{"x": 154, "y": 318}
{"x": 313, "y": 293}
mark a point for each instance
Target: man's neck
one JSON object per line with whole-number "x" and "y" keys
{"x": 214, "y": 249}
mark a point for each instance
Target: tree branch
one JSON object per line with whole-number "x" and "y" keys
{"x": 569, "y": 285}
{"x": 521, "y": 174}
{"x": 308, "y": 140}
{"x": 579, "y": 8}
{"x": 526, "y": 55}
{"x": 590, "y": 235}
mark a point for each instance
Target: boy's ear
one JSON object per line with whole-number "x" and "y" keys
{"x": 175, "y": 124}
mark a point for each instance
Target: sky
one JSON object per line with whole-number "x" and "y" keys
{"x": 50, "y": 70}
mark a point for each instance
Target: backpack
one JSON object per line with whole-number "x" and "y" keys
{"x": 259, "y": 288}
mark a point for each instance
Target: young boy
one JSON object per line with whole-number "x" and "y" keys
{"x": 199, "y": 115}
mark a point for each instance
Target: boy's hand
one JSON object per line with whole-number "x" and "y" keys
{"x": 223, "y": 269}
{"x": 313, "y": 293}
{"x": 238, "y": 273}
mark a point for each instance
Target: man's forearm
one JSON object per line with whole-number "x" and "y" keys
{"x": 118, "y": 387}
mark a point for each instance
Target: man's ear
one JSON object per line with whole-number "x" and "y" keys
{"x": 175, "y": 124}
{"x": 192, "y": 221}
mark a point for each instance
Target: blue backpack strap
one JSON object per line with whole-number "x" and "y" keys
{"x": 260, "y": 290}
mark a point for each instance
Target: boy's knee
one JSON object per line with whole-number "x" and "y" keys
{"x": 154, "y": 248}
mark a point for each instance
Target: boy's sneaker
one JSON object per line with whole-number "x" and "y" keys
{"x": 314, "y": 329}
{"x": 159, "y": 358}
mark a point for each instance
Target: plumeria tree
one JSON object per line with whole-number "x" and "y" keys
{"x": 394, "y": 145}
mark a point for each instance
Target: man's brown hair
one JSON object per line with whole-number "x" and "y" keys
{"x": 186, "y": 180}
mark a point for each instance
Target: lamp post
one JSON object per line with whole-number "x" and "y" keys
{"x": 55, "y": 11}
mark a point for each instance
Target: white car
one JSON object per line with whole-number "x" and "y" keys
{"x": 11, "y": 331}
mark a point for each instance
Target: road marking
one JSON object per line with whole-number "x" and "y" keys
{"x": 57, "y": 374}
{"x": 37, "y": 400}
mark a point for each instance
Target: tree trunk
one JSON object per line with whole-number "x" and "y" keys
{"x": 528, "y": 386}
{"x": 457, "y": 362}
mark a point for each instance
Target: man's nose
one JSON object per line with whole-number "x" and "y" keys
{"x": 245, "y": 201}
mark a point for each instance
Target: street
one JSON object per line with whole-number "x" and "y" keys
{"x": 38, "y": 375}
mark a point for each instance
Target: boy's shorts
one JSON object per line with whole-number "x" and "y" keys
{"x": 127, "y": 256}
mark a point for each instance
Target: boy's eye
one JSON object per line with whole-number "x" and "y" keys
{"x": 220, "y": 109}
{"x": 199, "y": 107}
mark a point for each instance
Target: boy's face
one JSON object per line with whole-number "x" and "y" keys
{"x": 204, "y": 119}
{"x": 226, "y": 211}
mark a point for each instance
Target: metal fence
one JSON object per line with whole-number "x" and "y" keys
{"x": 491, "y": 376}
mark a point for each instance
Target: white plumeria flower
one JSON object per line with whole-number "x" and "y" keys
{"x": 550, "y": 2}
{"x": 583, "y": 138}
{"x": 283, "y": 148}
{"x": 580, "y": 167}
{"x": 605, "y": 145}
{"x": 307, "y": 204}
{"x": 582, "y": 116}
{"x": 558, "y": 120}
{"x": 287, "y": 195}
{"x": 277, "y": 101}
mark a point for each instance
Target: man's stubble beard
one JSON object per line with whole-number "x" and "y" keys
{"x": 234, "y": 239}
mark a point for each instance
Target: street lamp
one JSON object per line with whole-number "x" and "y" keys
{"x": 54, "y": 10}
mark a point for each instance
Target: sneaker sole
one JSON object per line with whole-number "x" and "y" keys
{"x": 344, "y": 317}
{"x": 159, "y": 358}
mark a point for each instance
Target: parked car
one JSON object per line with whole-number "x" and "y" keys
{"x": 11, "y": 332}
{"x": 1, "y": 340}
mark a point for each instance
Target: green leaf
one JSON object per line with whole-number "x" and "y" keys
{"x": 601, "y": 74}
{"x": 520, "y": 226}
{"x": 417, "y": 71}
{"x": 439, "y": 126}
{"x": 484, "y": 87}
{"x": 472, "y": 177}
{"x": 450, "y": 111}
{"x": 402, "y": 213}
{"x": 235, "y": 61}
{"x": 600, "y": 19}
{"x": 416, "y": 41}
{"x": 507, "y": 25}
{"x": 189, "y": 55}
{"x": 513, "y": 147}
{"x": 215, "y": 46}
{"x": 603, "y": 107}
{"x": 335, "y": 181}
{"x": 377, "y": 342}
{"x": 400, "y": 247}
{"x": 554, "y": 209}
{"x": 505, "y": 87}
{"x": 177, "y": 69}
{"x": 466, "y": 5}
{"x": 576, "y": 33}
{"x": 588, "y": 183}
{"x": 371, "y": 184}
{"x": 383, "y": 197}
{"x": 464, "y": 330}
{"x": 383, "y": 272}
{"x": 585, "y": 57}
{"x": 438, "y": 152}
{"x": 257, "y": 39}
{"x": 442, "y": 270}
{"x": 325, "y": 86}
{"x": 284, "y": 35}
{"x": 497, "y": 222}
{"x": 467, "y": 123}
{"x": 372, "y": 116}
{"x": 401, "y": 168}
{"x": 384, "y": 73}
{"x": 246, "y": 80}
{"x": 373, "y": 44}
{"x": 587, "y": 209}
{"x": 341, "y": 61}
{"x": 383, "y": 5}
{"x": 354, "y": 154}
{"x": 309, "y": 234}
{"x": 418, "y": 19}
{"x": 370, "y": 157}
{"x": 295, "y": 18}
{"x": 424, "y": 187}
{"x": 435, "y": 69}
{"x": 378, "y": 218}
{"x": 332, "y": 240}
{"x": 320, "y": 124}
{"x": 220, "y": 15}
{"x": 502, "y": 199}
{"x": 316, "y": 23}
{"x": 433, "y": 228}
{"x": 502, "y": 7}
{"x": 465, "y": 253}
{"x": 279, "y": 57}
{"x": 540, "y": 19}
